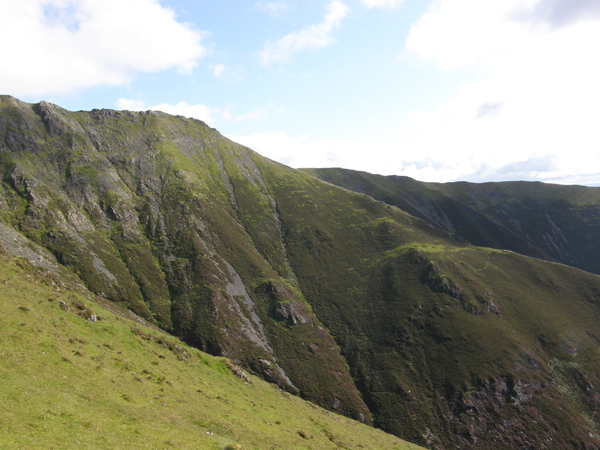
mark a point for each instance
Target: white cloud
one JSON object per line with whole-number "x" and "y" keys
{"x": 202, "y": 112}
{"x": 131, "y": 104}
{"x": 301, "y": 152}
{"x": 462, "y": 33}
{"x": 558, "y": 13}
{"x": 381, "y": 3}
{"x": 536, "y": 101}
{"x": 470, "y": 33}
{"x": 272, "y": 8}
{"x": 62, "y": 46}
{"x": 218, "y": 70}
{"x": 403, "y": 157}
{"x": 309, "y": 38}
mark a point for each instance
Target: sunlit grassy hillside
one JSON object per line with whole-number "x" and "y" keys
{"x": 68, "y": 382}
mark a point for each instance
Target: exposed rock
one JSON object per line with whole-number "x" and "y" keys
{"x": 79, "y": 221}
{"x": 238, "y": 372}
{"x": 438, "y": 282}
{"x": 291, "y": 313}
{"x": 475, "y": 413}
{"x": 488, "y": 303}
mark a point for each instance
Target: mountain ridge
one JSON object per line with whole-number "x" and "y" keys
{"x": 510, "y": 226}
{"x": 354, "y": 304}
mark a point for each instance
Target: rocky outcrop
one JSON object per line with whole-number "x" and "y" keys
{"x": 438, "y": 282}
{"x": 291, "y": 313}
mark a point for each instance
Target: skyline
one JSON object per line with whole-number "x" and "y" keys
{"x": 442, "y": 90}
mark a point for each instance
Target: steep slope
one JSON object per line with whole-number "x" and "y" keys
{"x": 350, "y": 302}
{"x": 142, "y": 208}
{"x": 451, "y": 345}
{"x": 552, "y": 222}
{"x": 70, "y": 382}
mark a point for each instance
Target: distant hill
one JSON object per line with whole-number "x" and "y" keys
{"x": 391, "y": 316}
{"x": 548, "y": 221}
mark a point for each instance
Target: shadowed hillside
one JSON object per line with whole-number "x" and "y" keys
{"x": 551, "y": 222}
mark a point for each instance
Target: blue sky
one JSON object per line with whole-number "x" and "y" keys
{"x": 439, "y": 90}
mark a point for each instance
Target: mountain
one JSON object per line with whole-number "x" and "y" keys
{"x": 76, "y": 375}
{"x": 360, "y": 306}
{"x": 552, "y": 222}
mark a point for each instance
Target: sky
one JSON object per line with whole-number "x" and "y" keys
{"x": 438, "y": 90}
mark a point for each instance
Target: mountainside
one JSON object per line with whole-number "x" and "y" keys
{"x": 355, "y": 305}
{"x": 75, "y": 375}
{"x": 552, "y": 222}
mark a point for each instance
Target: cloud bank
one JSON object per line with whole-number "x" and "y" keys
{"x": 536, "y": 100}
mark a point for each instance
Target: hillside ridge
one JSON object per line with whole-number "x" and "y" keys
{"x": 386, "y": 314}
{"x": 551, "y": 222}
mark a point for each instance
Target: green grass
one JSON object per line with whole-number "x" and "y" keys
{"x": 518, "y": 216}
{"x": 69, "y": 382}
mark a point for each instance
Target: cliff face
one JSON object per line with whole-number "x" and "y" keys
{"x": 352, "y": 303}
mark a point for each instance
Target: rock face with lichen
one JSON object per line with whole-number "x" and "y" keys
{"x": 351, "y": 303}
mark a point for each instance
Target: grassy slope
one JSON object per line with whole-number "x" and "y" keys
{"x": 420, "y": 350}
{"x": 69, "y": 382}
{"x": 552, "y": 222}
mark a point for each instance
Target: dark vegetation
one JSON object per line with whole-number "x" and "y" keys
{"x": 75, "y": 375}
{"x": 387, "y": 313}
{"x": 552, "y": 222}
